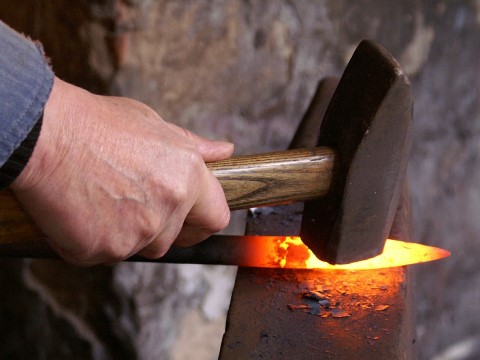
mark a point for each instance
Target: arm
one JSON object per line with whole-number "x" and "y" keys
{"x": 109, "y": 178}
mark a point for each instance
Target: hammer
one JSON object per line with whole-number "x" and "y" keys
{"x": 350, "y": 182}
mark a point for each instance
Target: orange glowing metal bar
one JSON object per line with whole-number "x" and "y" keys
{"x": 254, "y": 251}
{"x": 292, "y": 253}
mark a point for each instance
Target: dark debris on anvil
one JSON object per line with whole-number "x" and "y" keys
{"x": 322, "y": 302}
{"x": 314, "y": 295}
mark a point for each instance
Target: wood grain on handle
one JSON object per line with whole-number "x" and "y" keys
{"x": 275, "y": 178}
{"x": 15, "y": 224}
{"x": 248, "y": 181}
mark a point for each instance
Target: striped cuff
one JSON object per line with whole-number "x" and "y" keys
{"x": 15, "y": 164}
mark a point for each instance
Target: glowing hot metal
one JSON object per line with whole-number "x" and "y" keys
{"x": 395, "y": 253}
{"x": 291, "y": 253}
{"x": 255, "y": 251}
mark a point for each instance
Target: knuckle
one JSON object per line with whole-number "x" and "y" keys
{"x": 180, "y": 188}
{"x": 111, "y": 247}
{"x": 225, "y": 219}
{"x": 154, "y": 253}
{"x": 148, "y": 224}
{"x": 115, "y": 251}
{"x": 179, "y": 194}
{"x": 155, "y": 250}
{"x": 221, "y": 222}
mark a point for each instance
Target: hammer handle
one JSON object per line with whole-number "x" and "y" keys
{"x": 275, "y": 178}
{"x": 248, "y": 181}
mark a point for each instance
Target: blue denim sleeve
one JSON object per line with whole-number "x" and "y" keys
{"x": 26, "y": 81}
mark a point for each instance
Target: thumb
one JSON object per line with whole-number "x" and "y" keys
{"x": 210, "y": 150}
{"x": 214, "y": 150}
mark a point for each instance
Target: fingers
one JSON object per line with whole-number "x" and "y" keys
{"x": 215, "y": 150}
{"x": 209, "y": 214}
{"x": 204, "y": 212}
{"x": 160, "y": 243}
{"x": 208, "y": 149}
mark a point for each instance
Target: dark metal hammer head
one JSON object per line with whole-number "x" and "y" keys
{"x": 368, "y": 123}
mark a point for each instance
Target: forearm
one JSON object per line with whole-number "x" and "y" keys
{"x": 26, "y": 81}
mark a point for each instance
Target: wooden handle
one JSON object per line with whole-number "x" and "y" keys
{"x": 248, "y": 181}
{"x": 275, "y": 178}
{"x": 16, "y": 226}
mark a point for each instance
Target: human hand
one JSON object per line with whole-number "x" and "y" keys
{"x": 109, "y": 178}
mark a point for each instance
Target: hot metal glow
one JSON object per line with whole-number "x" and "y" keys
{"x": 292, "y": 253}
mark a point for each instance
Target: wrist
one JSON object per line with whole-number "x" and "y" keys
{"x": 42, "y": 153}
{"x": 62, "y": 124}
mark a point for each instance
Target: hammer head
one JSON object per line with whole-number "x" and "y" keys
{"x": 368, "y": 123}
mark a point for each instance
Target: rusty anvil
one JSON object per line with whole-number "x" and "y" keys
{"x": 351, "y": 182}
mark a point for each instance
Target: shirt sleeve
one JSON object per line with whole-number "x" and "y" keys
{"x": 26, "y": 81}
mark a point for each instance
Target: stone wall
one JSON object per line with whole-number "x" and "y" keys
{"x": 245, "y": 71}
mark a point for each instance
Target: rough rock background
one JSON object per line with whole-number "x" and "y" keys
{"x": 245, "y": 71}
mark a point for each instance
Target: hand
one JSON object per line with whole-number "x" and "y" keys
{"x": 109, "y": 178}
